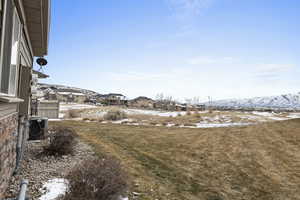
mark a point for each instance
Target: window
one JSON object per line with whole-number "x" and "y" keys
{"x": 9, "y": 49}
{"x": 12, "y": 87}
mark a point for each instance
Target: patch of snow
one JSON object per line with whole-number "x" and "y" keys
{"x": 170, "y": 125}
{"x": 55, "y": 120}
{"x": 54, "y": 188}
{"x": 294, "y": 115}
{"x": 277, "y": 118}
{"x": 265, "y": 114}
{"x": 121, "y": 121}
{"x": 251, "y": 117}
{"x": 123, "y": 198}
{"x": 216, "y": 125}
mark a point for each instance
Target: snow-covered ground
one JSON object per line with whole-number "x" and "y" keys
{"x": 54, "y": 188}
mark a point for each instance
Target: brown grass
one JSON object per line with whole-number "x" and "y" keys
{"x": 255, "y": 162}
{"x": 191, "y": 118}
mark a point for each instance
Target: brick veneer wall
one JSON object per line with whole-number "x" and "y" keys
{"x": 8, "y": 140}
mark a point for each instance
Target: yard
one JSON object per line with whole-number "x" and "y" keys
{"x": 250, "y": 162}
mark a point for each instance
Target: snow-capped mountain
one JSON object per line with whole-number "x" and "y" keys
{"x": 288, "y": 101}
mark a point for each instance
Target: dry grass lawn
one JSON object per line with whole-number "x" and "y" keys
{"x": 260, "y": 162}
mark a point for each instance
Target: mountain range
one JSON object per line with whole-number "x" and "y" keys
{"x": 286, "y": 101}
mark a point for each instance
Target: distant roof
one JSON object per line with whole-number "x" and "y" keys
{"x": 142, "y": 98}
{"x": 71, "y": 93}
{"x": 40, "y": 74}
{"x": 115, "y": 94}
{"x": 112, "y": 94}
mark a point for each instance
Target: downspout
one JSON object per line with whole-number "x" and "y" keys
{"x": 23, "y": 189}
{"x": 22, "y": 193}
{"x": 22, "y": 129}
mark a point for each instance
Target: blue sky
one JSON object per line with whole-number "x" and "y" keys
{"x": 182, "y": 48}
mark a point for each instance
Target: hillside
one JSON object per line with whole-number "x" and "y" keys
{"x": 43, "y": 87}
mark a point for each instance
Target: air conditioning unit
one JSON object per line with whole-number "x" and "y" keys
{"x": 38, "y": 127}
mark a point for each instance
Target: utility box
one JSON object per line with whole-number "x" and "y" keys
{"x": 38, "y": 127}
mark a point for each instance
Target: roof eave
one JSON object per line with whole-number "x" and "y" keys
{"x": 38, "y": 23}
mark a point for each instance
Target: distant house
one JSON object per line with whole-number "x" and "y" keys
{"x": 180, "y": 107}
{"x": 200, "y": 107}
{"x": 188, "y": 107}
{"x": 24, "y": 30}
{"x": 113, "y": 99}
{"x": 142, "y": 102}
{"x": 41, "y": 107}
{"x": 71, "y": 97}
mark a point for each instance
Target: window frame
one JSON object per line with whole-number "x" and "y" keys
{"x": 15, "y": 16}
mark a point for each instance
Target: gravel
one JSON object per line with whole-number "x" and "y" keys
{"x": 38, "y": 168}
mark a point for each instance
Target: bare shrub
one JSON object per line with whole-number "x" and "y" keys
{"x": 189, "y": 124}
{"x": 188, "y": 112}
{"x": 115, "y": 115}
{"x": 62, "y": 142}
{"x": 165, "y": 123}
{"x": 179, "y": 115}
{"x": 72, "y": 114}
{"x": 97, "y": 179}
{"x": 153, "y": 123}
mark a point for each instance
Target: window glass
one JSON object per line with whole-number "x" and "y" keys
{"x": 14, "y": 55}
{"x": 9, "y": 54}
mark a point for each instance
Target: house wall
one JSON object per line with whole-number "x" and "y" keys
{"x": 8, "y": 140}
{"x": 10, "y": 127}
